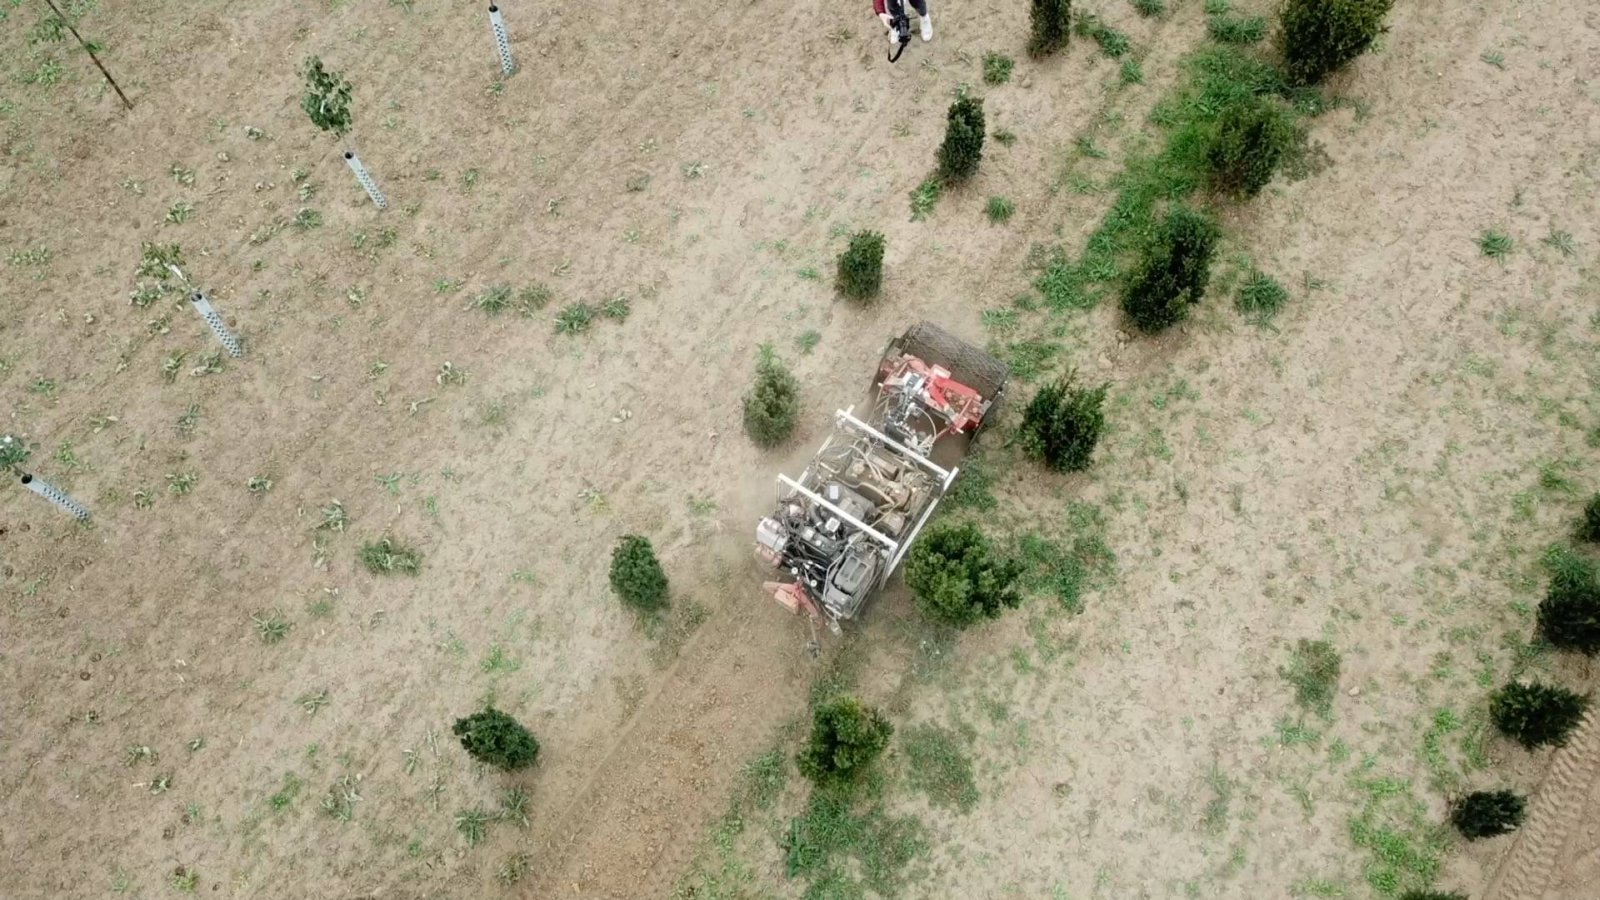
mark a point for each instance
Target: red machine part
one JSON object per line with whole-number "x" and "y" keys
{"x": 960, "y": 406}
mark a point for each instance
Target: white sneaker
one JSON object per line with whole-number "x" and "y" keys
{"x": 927, "y": 27}
{"x": 894, "y": 38}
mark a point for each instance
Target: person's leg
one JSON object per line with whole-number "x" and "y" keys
{"x": 921, "y": 6}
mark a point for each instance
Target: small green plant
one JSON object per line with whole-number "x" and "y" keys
{"x": 13, "y": 453}
{"x": 1261, "y": 297}
{"x": 957, "y": 577}
{"x": 305, "y": 219}
{"x": 575, "y": 318}
{"x": 495, "y": 738}
{"x": 997, "y": 68}
{"x": 1569, "y": 614}
{"x": 1535, "y": 714}
{"x": 182, "y": 483}
{"x": 1149, "y": 8}
{"x": 387, "y": 557}
{"x": 155, "y": 260}
{"x": 179, "y": 212}
{"x": 1005, "y": 137}
{"x": 1131, "y": 72}
{"x": 1322, "y": 36}
{"x": 185, "y": 881}
{"x": 1254, "y": 137}
{"x": 1062, "y": 424}
{"x": 847, "y": 736}
{"x": 1483, "y": 814}
{"x": 514, "y": 806}
{"x": 1049, "y": 22}
{"x": 1114, "y": 43}
{"x": 1228, "y": 28}
{"x": 533, "y": 298}
{"x": 1172, "y": 275}
{"x": 258, "y": 484}
{"x": 494, "y": 300}
{"x": 1494, "y": 244}
{"x": 473, "y": 824}
{"x": 334, "y": 518}
{"x": 616, "y": 308}
{"x": 860, "y": 274}
{"x": 926, "y": 197}
{"x": 807, "y": 341}
{"x": 999, "y": 209}
{"x": 962, "y": 149}
{"x": 271, "y": 627}
{"x": 773, "y": 404}
{"x": 327, "y": 98}
{"x": 637, "y": 576}
{"x": 514, "y": 868}
{"x": 1314, "y": 671}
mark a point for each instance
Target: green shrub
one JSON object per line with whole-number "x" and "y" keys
{"x": 1320, "y": 36}
{"x": 327, "y": 98}
{"x": 1150, "y": 7}
{"x": 1569, "y": 614}
{"x": 1000, "y": 209}
{"x": 1252, "y": 139}
{"x": 846, "y": 737}
{"x": 1231, "y": 29}
{"x": 773, "y": 404}
{"x": 861, "y": 266}
{"x": 388, "y": 556}
{"x": 1483, "y": 814}
{"x": 497, "y": 739}
{"x": 636, "y": 575}
{"x": 1050, "y": 21}
{"x": 1062, "y": 424}
{"x": 962, "y": 149}
{"x": 1589, "y": 527}
{"x": 1536, "y": 715}
{"x": 997, "y": 68}
{"x": 1173, "y": 274}
{"x": 958, "y": 578}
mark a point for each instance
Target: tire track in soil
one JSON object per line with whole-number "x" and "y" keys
{"x": 1527, "y": 871}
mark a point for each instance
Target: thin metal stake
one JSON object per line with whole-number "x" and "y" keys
{"x": 85, "y": 45}
{"x": 202, "y": 305}
{"x": 500, "y": 39}
{"x": 366, "y": 180}
{"x": 55, "y": 495}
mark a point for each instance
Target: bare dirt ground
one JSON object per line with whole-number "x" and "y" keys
{"x": 1381, "y": 469}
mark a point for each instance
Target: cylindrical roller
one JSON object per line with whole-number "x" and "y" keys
{"x": 500, "y": 39}
{"x": 202, "y": 305}
{"x": 55, "y": 495}
{"x": 366, "y": 180}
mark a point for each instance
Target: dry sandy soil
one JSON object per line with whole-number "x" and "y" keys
{"x": 1382, "y": 468}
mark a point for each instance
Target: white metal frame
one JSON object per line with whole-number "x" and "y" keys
{"x": 897, "y": 549}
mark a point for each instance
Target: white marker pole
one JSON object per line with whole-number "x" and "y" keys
{"x": 500, "y": 39}
{"x": 366, "y": 180}
{"x": 55, "y": 495}
{"x": 202, "y": 305}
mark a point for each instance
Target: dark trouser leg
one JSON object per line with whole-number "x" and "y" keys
{"x": 921, "y": 6}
